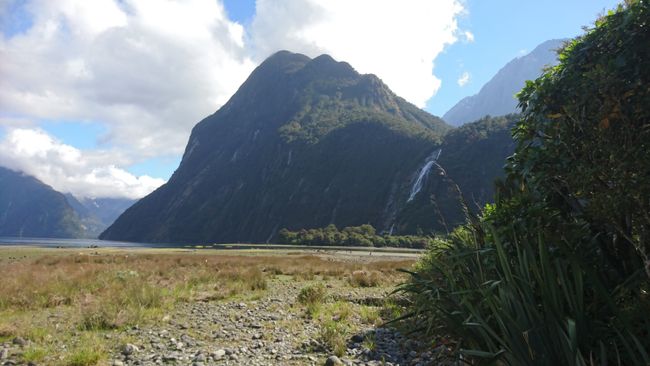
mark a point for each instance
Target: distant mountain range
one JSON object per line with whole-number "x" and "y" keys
{"x": 30, "y": 208}
{"x": 496, "y": 97}
{"x": 310, "y": 142}
{"x": 96, "y": 214}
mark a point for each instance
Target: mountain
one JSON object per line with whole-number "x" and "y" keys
{"x": 496, "y": 97}
{"x": 96, "y": 214}
{"x": 463, "y": 169}
{"x": 303, "y": 143}
{"x": 30, "y": 208}
{"x": 475, "y": 154}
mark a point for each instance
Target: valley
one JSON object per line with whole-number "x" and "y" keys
{"x": 286, "y": 208}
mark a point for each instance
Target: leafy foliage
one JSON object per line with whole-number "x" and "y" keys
{"x": 364, "y": 236}
{"x": 556, "y": 272}
{"x": 585, "y": 132}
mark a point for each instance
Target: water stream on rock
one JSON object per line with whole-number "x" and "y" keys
{"x": 424, "y": 172}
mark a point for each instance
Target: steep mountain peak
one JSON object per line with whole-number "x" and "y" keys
{"x": 284, "y": 61}
{"x": 303, "y": 143}
{"x": 497, "y": 96}
{"x": 325, "y": 66}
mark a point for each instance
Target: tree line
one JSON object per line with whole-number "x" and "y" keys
{"x": 352, "y": 236}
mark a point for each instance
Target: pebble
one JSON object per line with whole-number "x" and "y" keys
{"x": 19, "y": 341}
{"x": 253, "y": 333}
{"x": 333, "y": 361}
{"x": 129, "y": 349}
{"x": 218, "y": 354}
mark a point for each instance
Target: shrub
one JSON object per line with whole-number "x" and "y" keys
{"x": 558, "y": 270}
{"x": 312, "y": 294}
{"x": 334, "y": 335}
{"x": 364, "y": 279}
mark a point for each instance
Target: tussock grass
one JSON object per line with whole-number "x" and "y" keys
{"x": 370, "y": 315}
{"x": 334, "y": 334}
{"x": 312, "y": 294}
{"x": 34, "y": 354}
{"x": 364, "y": 279}
{"x": 79, "y": 296}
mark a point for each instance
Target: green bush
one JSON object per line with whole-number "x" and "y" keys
{"x": 312, "y": 294}
{"x": 352, "y": 236}
{"x": 557, "y": 271}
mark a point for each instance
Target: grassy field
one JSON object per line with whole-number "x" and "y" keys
{"x": 71, "y": 305}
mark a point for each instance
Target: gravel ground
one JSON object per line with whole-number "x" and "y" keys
{"x": 270, "y": 328}
{"x": 268, "y": 331}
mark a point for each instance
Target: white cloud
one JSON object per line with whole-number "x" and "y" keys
{"x": 463, "y": 79}
{"x": 395, "y": 40}
{"x": 149, "y": 70}
{"x": 68, "y": 169}
{"x": 469, "y": 36}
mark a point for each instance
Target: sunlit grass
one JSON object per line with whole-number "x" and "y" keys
{"x": 77, "y": 297}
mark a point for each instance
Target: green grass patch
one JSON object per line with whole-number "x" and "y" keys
{"x": 34, "y": 354}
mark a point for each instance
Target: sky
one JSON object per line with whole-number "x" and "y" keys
{"x": 98, "y": 98}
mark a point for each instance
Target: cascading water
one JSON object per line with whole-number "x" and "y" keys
{"x": 424, "y": 172}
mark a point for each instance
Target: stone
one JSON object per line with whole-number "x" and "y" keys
{"x": 4, "y": 354}
{"x": 117, "y": 363}
{"x": 19, "y": 341}
{"x": 170, "y": 358}
{"x": 333, "y": 361}
{"x": 357, "y": 338}
{"x": 218, "y": 354}
{"x": 129, "y": 349}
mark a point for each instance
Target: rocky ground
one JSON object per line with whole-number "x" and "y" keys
{"x": 273, "y": 330}
{"x": 269, "y": 328}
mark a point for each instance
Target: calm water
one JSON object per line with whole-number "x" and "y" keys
{"x": 78, "y": 243}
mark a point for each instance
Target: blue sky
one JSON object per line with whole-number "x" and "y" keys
{"x": 501, "y": 30}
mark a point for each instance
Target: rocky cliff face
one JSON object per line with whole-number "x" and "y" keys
{"x": 303, "y": 143}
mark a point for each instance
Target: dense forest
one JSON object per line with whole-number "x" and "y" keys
{"x": 557, "y": 271}
{"x": 363, "y": 235}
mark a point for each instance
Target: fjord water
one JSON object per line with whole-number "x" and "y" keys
{"x": 77, "y": 243}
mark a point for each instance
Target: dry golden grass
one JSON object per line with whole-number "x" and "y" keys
{"x": 152, "y": 281}
{"x": 100, "y": 291}
{"x": 365, "y": 279}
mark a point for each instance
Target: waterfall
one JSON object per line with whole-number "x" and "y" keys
{"x": 424, "y": 172}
